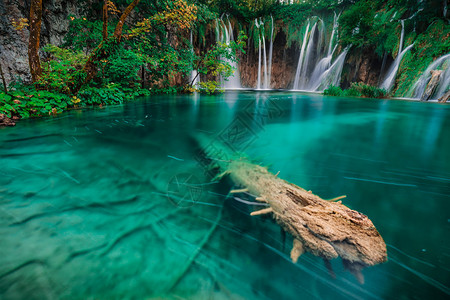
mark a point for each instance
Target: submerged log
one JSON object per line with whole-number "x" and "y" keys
{"x": 432, "y": 85}
{"x": 324, "y": 228}
{"x": 445, "y": 97}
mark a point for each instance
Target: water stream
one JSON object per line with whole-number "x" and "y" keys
{"x": 224, "y": 34}
{"x": 389, "y": 80}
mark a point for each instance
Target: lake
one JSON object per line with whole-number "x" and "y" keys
{"x": 91, "y": 205}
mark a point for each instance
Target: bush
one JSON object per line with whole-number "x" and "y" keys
{"x": 333, "y": 91}
{"x": 356, "y": 90}
{"x": 112, "y": 93}
{"x": 59, "y": 68}
{"x": 32, "y": 103}
{"x": 210, "y": 87}
{"x": 365, "y": 90}
{"x": 123, "y": 66}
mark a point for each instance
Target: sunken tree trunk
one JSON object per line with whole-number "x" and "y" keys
{"x": 34, "y": 40}
{"x": 324, "y": 228}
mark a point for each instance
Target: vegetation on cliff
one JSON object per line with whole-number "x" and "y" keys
{"x": 141, "y": 47}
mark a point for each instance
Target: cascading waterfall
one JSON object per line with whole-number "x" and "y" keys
{"x": 301, "y": 58}
{"x": 265, "y": 59}
{"x": 264, "y": 63}
{"x": 234, "y": 82}
{"x": 333, "y": 33}
{"x": 332, "y": 75}
{"x": 258, "y": 85}
{"x": 224, "y": 34}
{"x": 324, "y": 69}
{"x": 389, "y": 80}
{"x": 195, "y": 76}
{"x": 308, "y": 58}
{"x": 325, "y": 72}
{"x": 442, "y": 63}
{"x": 270, "y": 54}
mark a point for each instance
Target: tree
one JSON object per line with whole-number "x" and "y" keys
{"x": 34, "y": 40}
{"x": 178, "y": 12}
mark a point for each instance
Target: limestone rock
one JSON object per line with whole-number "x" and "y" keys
{"x": 432, "y": 85}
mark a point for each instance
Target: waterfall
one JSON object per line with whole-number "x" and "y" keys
{"x": 258, "y": 86}
{"x": 265, "y": 61}
{"x": 195, "y": 76}
{"x": 322, "y": 66}
{"x": 301, "y": 57}
{"x": 442, "y": 63}
{"x": 306, "y": 63}
{"x": 389, "y": 80}
{"x": 234, "y": 81}
{"x": 444, "y": 12}
{"x": 262, "y": 61}
{"x": 270, "y": 54}
{"x": 224, "y": 34}
{"x": 316, "y": 70}
{"x": 333, "y": 32}
{"x": 332, "y": 75}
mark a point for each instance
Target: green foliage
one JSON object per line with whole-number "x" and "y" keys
{"x": 26, "y": 102}
{"x": 333, "y": 91}
{"x": 32, "y": 103}
{"x": 123, "y": 66}
{"x": 366, "y": 90}
{"x": 217, "y": 60}
{"x": 83, "y": 34}
{"x": 210, "y": 87}
{"x": 59, "y": 68}
{"x": 112, "y": 93}
{"x": 356, "y": 90}
{"x": 428, "y": 46}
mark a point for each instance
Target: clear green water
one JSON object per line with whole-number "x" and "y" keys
{"x": 87, "y": 199}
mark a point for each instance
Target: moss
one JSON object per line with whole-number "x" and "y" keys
{"x": 428, "y": 46}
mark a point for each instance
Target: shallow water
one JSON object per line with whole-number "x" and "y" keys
{"x": 91, "y": 205}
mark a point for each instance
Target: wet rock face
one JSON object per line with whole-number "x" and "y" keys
{"x": 284, "y": 63}
{"x": 432, "y": 85}
{"x": 14, "y": 44}
{"x": 362, "y": 66}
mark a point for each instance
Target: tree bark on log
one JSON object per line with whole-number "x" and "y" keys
{"x": 324, "y": 228}
{"x": 432, "y": 85}
{"x": 34, "y": 39}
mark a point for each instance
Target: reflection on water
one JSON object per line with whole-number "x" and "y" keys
{"x": 114, "y": 203}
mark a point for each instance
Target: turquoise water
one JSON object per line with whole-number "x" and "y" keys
{"x": 91, "y": 205}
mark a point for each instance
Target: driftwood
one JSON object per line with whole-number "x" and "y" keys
{"x": 432, "y": 85}
{"x": 324, "y": 228}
